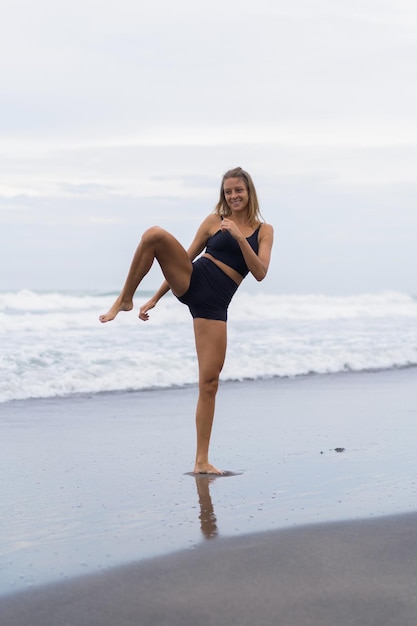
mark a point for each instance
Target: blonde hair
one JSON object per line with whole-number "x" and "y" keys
{"x": 223, "y": 210}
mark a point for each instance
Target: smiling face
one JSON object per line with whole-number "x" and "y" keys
{"x": 236, "y": 194}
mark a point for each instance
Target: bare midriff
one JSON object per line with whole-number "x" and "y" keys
{"x": 231, "y": 273}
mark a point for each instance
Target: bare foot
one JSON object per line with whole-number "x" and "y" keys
{"x": 207, "y": 468}
{"x": 119, "y": 305}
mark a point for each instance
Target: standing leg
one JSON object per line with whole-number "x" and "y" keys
{"x": 176, "y": 266}
{"x": 210, "y": 340}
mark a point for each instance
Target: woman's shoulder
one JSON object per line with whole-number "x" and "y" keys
{"x": 215, "y": 218}
{"x": 266, "y": 231}
{"x": 208, "y": 226}
{"x": 265, "y": 228}
{"x": 213, "y": 222}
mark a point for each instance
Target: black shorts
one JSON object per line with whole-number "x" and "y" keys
{"x": 210, "y": 291}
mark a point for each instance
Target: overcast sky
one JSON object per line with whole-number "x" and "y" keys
{"x": 119, "y": 115}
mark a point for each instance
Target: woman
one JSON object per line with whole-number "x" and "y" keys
{"x": 236, "y": 242}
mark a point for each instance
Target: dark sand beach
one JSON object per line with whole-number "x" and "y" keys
{"x": 316, "y": 523}
{"x": 357, "y": 573}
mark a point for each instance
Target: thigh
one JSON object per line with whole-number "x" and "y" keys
{"x": 175, "y": 263}
{"x": 210, "y": 341}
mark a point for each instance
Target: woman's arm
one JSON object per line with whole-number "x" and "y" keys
{"x": 205, "y": 230}
{"x": 258, "y": 264}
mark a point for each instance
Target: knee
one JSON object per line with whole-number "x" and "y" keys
{"x": 209, "y": 386}
{"x": 153, "y": 234}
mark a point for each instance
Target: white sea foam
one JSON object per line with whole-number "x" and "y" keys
{"x": 52, "y": 344}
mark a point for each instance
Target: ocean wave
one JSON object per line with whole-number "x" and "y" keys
{"x": 270, "y": 306}
{"x": 321, "y": 307}
{"x": 53, "y": 344}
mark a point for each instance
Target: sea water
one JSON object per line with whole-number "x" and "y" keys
{"x": 103, "y": 487}
{"x": 52, "y": 344}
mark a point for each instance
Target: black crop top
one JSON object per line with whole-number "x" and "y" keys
{"x": 223, "y": 247}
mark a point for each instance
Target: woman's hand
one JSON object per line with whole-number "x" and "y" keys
{"x": 231, "y": 228}
{"x": 143, "y": 311}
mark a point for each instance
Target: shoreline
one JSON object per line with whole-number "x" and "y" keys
{"x": 80, "y": 395}
{"x": 84, "y": 490}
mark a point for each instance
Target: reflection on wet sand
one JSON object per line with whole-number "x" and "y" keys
{"x": 207, "y": 517}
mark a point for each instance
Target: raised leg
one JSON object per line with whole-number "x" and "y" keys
{"x": 210, "y": 340}
{"x": 176, "y": 266}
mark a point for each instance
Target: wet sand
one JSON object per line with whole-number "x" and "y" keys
{"x": 98, "y": 486}
{"x": 357, "y": 573}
